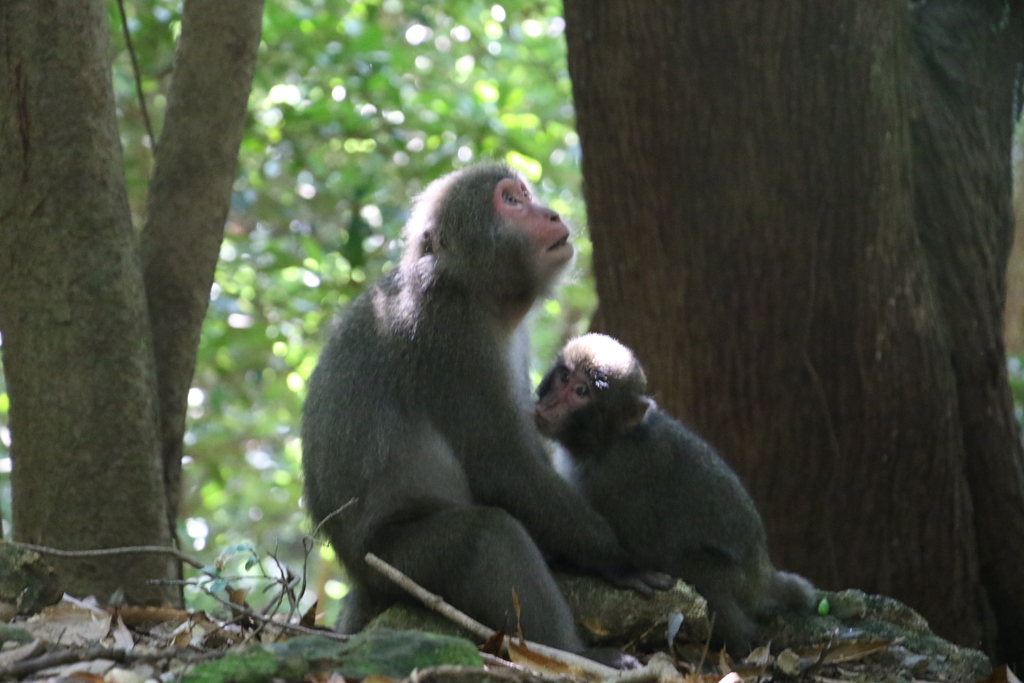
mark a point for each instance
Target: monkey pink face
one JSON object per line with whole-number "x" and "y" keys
{"x": 548, "y": 235}
{"x": 568, "y": 392}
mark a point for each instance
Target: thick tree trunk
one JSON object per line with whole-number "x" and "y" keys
{"x": 748, "y": 179}
{"x": 966, "y": 56}
{"x": 196, "y": 161}
{"x": 77, "y": 348}
{"x": 1013, "y": 326}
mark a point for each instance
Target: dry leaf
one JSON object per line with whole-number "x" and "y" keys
{"x": 492, "y": 645}
{"x": 522, "y": 655}
{"x": 724, "y": 662}
{"x": 69, "y": 623}
{"x": 119, "y": 675}
{"x": 761, "y": 656}
{"x": 16, "y": 654}
{"x": 123, "y": 638}
{"x": 1002, "y": 674}
{"x": 788, "y": 662}
{"x": 308, "y": 620}
{"x": 849, "y": 651}
{"x": 518, "y": 611}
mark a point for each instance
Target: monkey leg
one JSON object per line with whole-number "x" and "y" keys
{"x": 474, "y": 557}
{"x": 731, "y": 593}
{"x": 732, "y": 627}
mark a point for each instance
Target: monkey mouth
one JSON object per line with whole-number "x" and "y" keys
{"x": 560, "y": 243}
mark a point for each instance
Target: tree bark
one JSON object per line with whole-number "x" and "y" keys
{"x": 965, "y": 58}
{"x": 77, "y": 348}
{"x": 1013, "y": 326}
{"x": 189, "y": 197}
{"x": 749, "y": 185}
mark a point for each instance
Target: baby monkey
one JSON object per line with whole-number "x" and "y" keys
{"x": 675, "y": 505}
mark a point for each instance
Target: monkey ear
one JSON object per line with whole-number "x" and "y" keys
{"x": 431, "y": 243}
{"x": 637, "y": 412}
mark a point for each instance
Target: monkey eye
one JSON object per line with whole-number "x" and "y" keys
{"x": 509, "y": 199}
{"x": 563, "y": 376}
{"x": 526, "y": 193}
{"x": 582, "y": 390}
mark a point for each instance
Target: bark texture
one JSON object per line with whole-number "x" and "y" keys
{"x": 966, "y": 57}
{"x": 1013, "y": 326}
{"x": 749, "y": 185}
{"x": 77, "y": 352}
{"x": 196, "y": 162}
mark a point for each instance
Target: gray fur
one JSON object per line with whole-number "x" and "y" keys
{"x": 415, "y": 412}
{"x": 676, "y": 506}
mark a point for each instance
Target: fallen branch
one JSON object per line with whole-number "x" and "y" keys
{"x": 437, "y": 603}
{"x": 59, "y": 658}
{"x": 102, "y": 552}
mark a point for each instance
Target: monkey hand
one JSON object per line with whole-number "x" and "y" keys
{"x": 643, "y": 581}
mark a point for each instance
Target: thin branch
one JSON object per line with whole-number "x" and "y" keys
{"x": 437, "y": 603}
{"x": 283, "y": 625}
{"x": 60, "y": 657}
{"x": 104, "y": 552}
{"x": 137, "y": 73}
{"x": 316, "y": 529}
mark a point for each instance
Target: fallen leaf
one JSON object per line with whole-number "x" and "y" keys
{"x": 788, "y": 662}
{"x": 761, "y": 656}
{"x": 522, "y": 655}
{"x": 1002, "y": 674}
{"x": 308, "y": 619}
{"x": 16, "y": 654}
{"x": 69, "y": 622}
{"x": 123, "y": 638}
{"x": 377, "y": 678}
{"x": 92, "y": 670}
{"x": 119, "y": 675}
{"x": 492, "y": 645}
{"x": 724, "y": 662}
{"x": 139, "y": 617}
{"x": 849, "y": 651}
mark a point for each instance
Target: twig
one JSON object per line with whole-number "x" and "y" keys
{"x": 60, "y": 657}
{"x": 449, "y": 672}
{"x": 103, "y": 552}
{"x": 503, "y": 664}
{"x": 137, "y": 73}
{"x": 436, "y": 603}
{"x": 316, "y": 529}
{"x": 248, "y": 611}
{"x": 431, "y": 600}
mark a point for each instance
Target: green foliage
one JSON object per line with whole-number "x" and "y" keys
{"x": 355, "y": 107}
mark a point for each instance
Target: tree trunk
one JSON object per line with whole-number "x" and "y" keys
{"x": 196, "y": 161}
{"x": 965, "y": 57}
{"x": 1013, "y": 326}
{"x": 77, "y": 348}
{"x": 749, "y": 185}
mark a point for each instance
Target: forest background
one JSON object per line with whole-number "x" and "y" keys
{"x": 355, "y": 106}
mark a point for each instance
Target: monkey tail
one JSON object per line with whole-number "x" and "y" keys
{"x": 790, "y": 591}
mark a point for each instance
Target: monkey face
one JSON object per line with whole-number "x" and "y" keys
{"x": 563, "y": 392}
{"x": 547, "y": 235}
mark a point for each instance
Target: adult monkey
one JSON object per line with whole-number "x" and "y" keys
{"x": 416, "y": 412}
